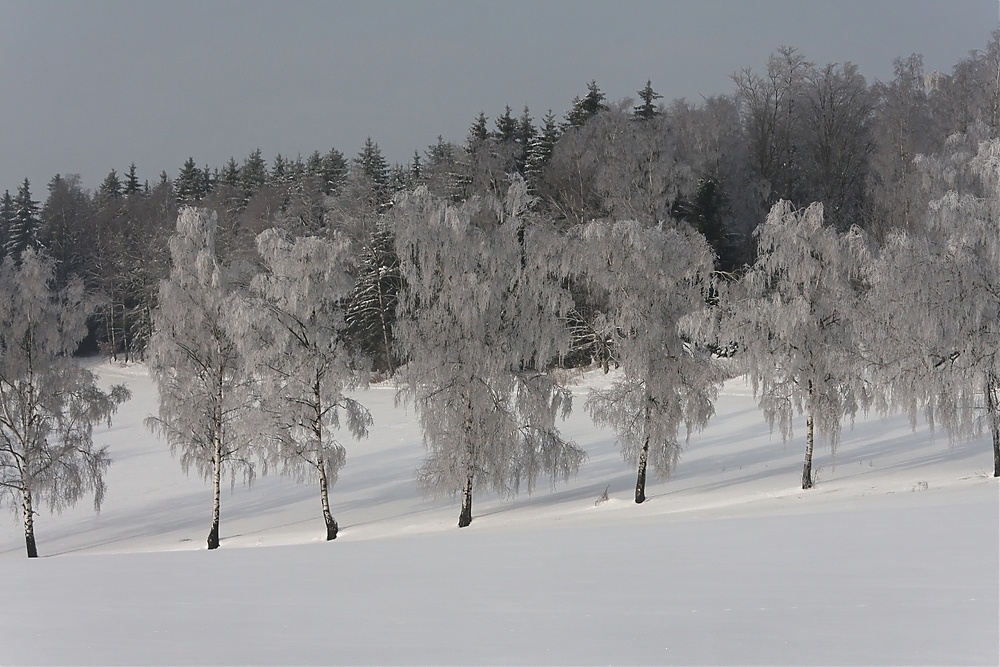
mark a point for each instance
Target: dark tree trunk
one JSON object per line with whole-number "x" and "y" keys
{"x": 991, "y": 408}
{"x": 640, "y": 481}
{"x": 29, "y": 524}
{"x": 213, "y": 534}
{"x": 465, "y": 518}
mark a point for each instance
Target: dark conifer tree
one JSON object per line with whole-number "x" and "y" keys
{"x": 67, "y": 227}
{"x": 506, "y": 124}
{"x": 540, "y": 149}
{"x": 131, "y": 186}
{"x": 230, "y": 174}
{"x": 23, "y": 231}
{"x": 372, "y": 308}
{"x": 209, "y": 178}
{"x": 648, "y": 109}
{"x": 334, "y": 171}
{"x": 254, "y": 172}
{"x": 372, "y": 165}
{"x": 190, "y": 184}
{"x": 705, "y": 211}
{"x": 279, "y": 171}
{"x": 586, "y": 108}
{"x": 111, "y": 190}
{"x": 7, "y": 214}
{"x": 478, "y": 132}
{"x": 416, "y": 170}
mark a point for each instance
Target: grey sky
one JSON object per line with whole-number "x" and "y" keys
{"x": 91, "y": 86}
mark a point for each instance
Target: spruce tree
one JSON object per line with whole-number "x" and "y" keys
{"x": 373, "y": 170}
{"x": 416, "y": 170}
{"x": 586, "y": 108}
{"x": 279, "y": 171}
{"x": 132, "y": 186}
{"x": 7, "y": 215}
{"x": 478, "y": 132}
{"x": 334, "y": 171}
{"x": 254, "y": 173}
{"x": 648, "y": 109}
{"x": 506, "y": 127}
{"x": 371, "y": 312}
{"x": 230, "y": 174}
{"x": 190, "y": 183}
{"x": 23, "y": 230}
{"x": 524, "y": 136}
{"x": 540, "y": 149}
{"x": 111, "y": 190}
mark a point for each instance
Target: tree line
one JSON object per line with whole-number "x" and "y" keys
{"x": 828, "y": 238}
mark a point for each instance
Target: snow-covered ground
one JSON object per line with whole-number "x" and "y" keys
{"x": 891, "y": 559}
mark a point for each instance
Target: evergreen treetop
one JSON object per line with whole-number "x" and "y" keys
{"x": 648, "y": 109}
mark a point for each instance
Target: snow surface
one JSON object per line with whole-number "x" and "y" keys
{"x": 891, "y": 559}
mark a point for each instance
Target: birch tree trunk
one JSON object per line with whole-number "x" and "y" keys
{"x": 324, "y": 494}
{"x": 991, "y": 408}
{"x": 324, "y": 486}
{"x": 807, "y": 480}
{"x": 213, "y": 534}
{"x": 465, "y": 518}
{"x": 29, "y": 524}
{"x": 640, "y": 481}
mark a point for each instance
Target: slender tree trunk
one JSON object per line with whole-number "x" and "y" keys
{"x": 991, "y": 408}
{"x": 213, "y": 534}
{"x": 465, "y": 518}
{"x": 29, "y": 524}
{"x": 640, "y": 480}
{"x": 324, "y": 494}
{"x": 324, "y": 484}
{"x": 807, "y": 465}
{"x": 807, "y": 480}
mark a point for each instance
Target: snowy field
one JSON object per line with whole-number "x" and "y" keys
{"x": 891, "y": 559}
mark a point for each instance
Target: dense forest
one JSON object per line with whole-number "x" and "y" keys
{"x": 780, "y": 231}
{"x": 797, "y": 131}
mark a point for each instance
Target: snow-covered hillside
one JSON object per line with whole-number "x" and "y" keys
{"x": 891, "y": 559}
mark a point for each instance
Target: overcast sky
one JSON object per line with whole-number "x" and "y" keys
{"x": 90, "y": 86}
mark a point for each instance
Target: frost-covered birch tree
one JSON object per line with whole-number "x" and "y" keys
{"x": 480, "y": 319}
{"x": 792, "y": 320}
{"x": 935, "y": 304}
{"x": 290, "y": 331}
{"x": 655, "y": 278}
{"x": 206, "y": 394}
{"x": 48, "y": 402}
